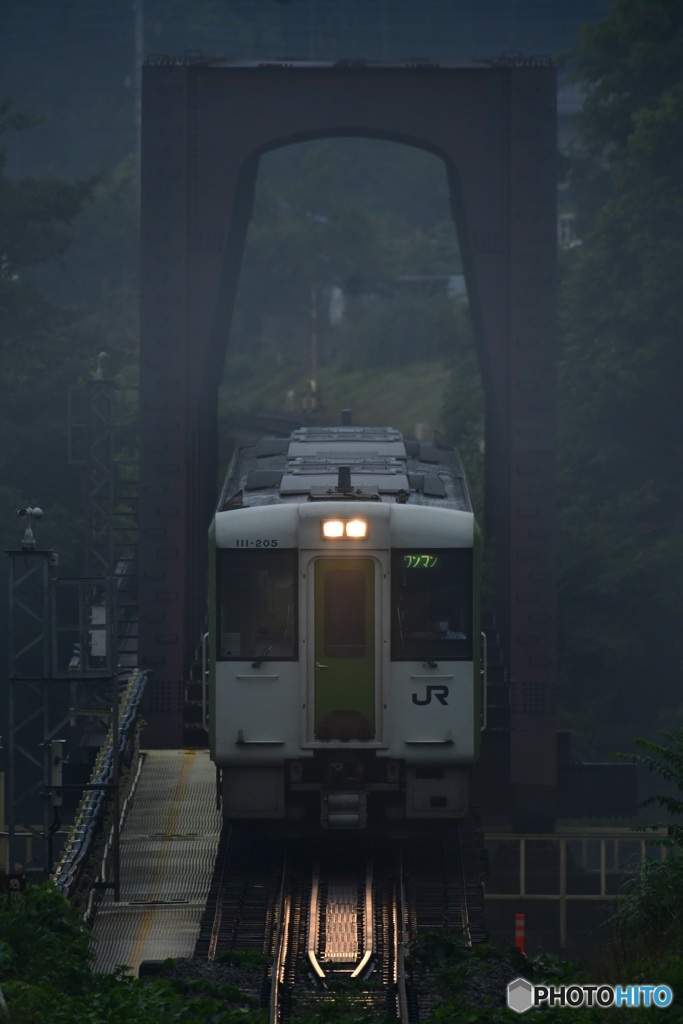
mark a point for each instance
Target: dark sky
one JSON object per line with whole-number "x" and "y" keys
{"x": 73, "y": 61}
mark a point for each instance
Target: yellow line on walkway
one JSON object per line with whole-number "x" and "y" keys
{"x": 146, "y": 920}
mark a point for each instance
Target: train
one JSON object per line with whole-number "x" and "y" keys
{"x": 344, "y": 656}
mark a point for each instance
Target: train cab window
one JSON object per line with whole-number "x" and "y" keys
{"x": 344, "y": 614}
{"x": 431, "y": 605}
{"x": 257, "y": 605}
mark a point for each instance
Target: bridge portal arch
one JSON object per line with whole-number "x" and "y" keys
{"x": 204, "y": 129}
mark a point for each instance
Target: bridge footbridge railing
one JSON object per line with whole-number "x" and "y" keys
{"x": 90, "y": 860}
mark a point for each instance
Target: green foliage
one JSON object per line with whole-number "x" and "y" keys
{"x": 647, "y": 925}
{"x": 34, "y": 213}
{"x": 470, "y": 983}
{"x": 43, "y": 344}
{"x": 335, "y": 214}
{"x": 646, "y": 929}
{"x": 621, "y": 417}
{"x": 46, "y": 977}
{"x": 341, "y": 1009}
{"x": 11, "y": 118}
{"x": 43, "y": 941}
{"x": 463, "y": 417}
{"x": 628, "y": 61}
{"x": 389, "y": 396}
{"x": 108, "y": 999}
{"x": 666, "y": 760}
{"x": 400, "y": 330}
{"x": 436, "y": 950}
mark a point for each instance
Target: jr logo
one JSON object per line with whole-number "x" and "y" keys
{"x": 440, "y": 692}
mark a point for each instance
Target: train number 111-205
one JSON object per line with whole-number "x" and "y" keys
{"x": 255, "y": 543}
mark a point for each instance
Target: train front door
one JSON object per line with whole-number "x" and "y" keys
{"x": 344, "y": 649}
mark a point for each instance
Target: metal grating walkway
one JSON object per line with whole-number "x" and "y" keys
{"x": 168, "y": 848}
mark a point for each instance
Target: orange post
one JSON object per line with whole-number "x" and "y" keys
{"x": 519, "y": 932}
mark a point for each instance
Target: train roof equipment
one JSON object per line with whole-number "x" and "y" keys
{"x": 345, "y": 464}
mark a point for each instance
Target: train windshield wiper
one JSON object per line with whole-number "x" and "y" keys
{"x": 266, "y": 650}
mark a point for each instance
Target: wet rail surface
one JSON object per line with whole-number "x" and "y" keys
{"x": 333, "y": 917}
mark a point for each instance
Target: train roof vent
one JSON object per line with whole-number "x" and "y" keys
{"x": 429, "y": 453}
{"x": 319, "y": 475}
{"x": 434, "y": 486}
{"x": 262, "y": 479}
{"x": 268, "y": 446}
{"x": 343, "y": 449}
{"x": 353, "y": 434}
{"x": 427, "y": 483}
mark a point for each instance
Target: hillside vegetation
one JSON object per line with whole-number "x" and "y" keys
{"x": 409, "y": 398}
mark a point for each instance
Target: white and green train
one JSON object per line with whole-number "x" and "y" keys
{"x": 345, "y": 660}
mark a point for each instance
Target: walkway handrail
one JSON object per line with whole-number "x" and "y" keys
{"x": 90, "y": 819}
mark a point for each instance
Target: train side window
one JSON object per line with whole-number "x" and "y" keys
{"x": 257, "y": 601}
{"x": 431, "y": 604}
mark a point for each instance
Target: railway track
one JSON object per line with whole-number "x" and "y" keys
{"x": 333, "y": 919}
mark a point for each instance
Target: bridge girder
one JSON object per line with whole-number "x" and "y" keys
{"x": 204, "y": 128}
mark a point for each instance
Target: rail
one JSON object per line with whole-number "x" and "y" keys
{"x": 284, "y": 913}
{"x": 338, "y": 923}
{"x": 401, "y": 941}
{"x": 464, "y": 908}
{"x": 314, "y": 924}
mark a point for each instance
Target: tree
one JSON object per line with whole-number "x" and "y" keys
{"x": 356, "y": 215}
{"x": 45, "y": 973}
{"x": 621, "y": 418}
{"x": 42, "y": 345}
{"x": 647, "y": 924}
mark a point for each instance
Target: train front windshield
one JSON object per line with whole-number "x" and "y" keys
{"x": 257, "y": 605}
{"x": 431, "y": 605}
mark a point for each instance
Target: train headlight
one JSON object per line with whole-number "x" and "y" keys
{"x": 356, "y": 528}
{"x": 333, "y": 529}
